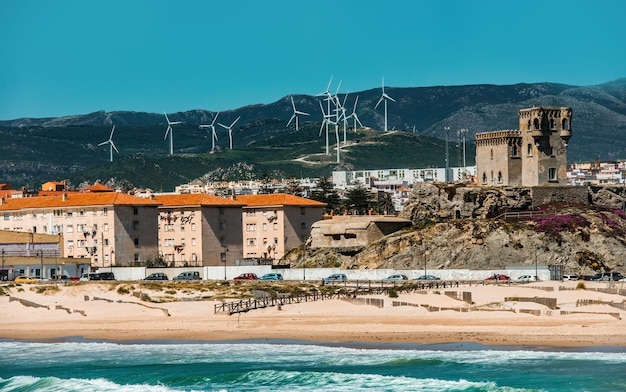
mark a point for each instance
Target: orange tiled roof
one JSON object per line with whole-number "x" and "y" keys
{"x": 278, "y": 199}
{"x": 97, "y": 187}
{"x": 75, "y": 200}
{"x": 195, "y": 199}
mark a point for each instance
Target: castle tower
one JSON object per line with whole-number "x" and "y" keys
{"x": 498, "y": 156}
{"x": 545, "y": 132}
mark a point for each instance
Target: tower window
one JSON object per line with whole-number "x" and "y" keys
{"x": 536, "y": 124}
{"x": 529, "y": 150}
{"x": 491, "y": 153}
{"x": 514, "y": 152}
{"x": 552, "y": 174}
{"x": 484, "y": 178}
{"x": 499, "y": 177}
{"x": 565, "y": 124}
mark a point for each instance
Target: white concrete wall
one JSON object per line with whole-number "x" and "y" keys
{"x": 217, "y": 273}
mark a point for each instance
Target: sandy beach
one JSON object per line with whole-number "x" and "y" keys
{"x": 520, "y": 314}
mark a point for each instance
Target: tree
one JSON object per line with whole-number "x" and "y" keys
{"x": 358, "y": 200}
{"x": 326, "y": 193}
{"x": 385, "y": 204}
{"x": 294, "y": 187}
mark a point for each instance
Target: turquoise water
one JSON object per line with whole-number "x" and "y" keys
{"x": 253, "y": 366}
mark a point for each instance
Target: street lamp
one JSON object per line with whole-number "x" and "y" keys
{"x": 303, "y": 260}
{"x": 223, "y": 256}
{"x": 111, "y": 260}
{"x": 447, "y": 130}
{"x": 40, "y": 253}
{"x": 536, "y": 274}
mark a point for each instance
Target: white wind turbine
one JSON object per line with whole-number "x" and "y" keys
{"x": 384, "y": 97}
{"x": 171, "y": 132}
{"x": 326, "y": 122}
{"x": 329, "y": 98}
{"x": 213, "y": 133}
{"x": 341, "y": 107}
{"x": 295, "y": 114}
{"x": 230, "y": 131}
{"x": 111, "y": 144}
{"x": 354, "y": 115}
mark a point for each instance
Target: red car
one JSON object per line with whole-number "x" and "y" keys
{"x": 246, "y": 276}
{"x": 498, "y": 277}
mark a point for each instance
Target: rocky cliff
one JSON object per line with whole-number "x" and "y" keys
{"x": 460, "y": 226}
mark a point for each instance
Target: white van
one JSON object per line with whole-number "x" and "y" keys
{"x": 570, "y": 277}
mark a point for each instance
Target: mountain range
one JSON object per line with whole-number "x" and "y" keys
{"x": 35, "y": 150}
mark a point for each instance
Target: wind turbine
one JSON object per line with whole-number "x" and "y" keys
{"x": 111, "y": 144}
{"x": 341, "y": 107}
{"x": 295, "y": 114}
{"x": 230, "y": 131}
{"x": 171, "y": 132}
{"x": 354, "y": 115}
{"x": 384, "y": 97}
{"x": 213, "y": 133}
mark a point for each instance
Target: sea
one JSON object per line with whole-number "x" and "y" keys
{"x": 260, "y": 365}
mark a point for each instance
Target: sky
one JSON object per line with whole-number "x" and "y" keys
{"x": 67, "y": 57}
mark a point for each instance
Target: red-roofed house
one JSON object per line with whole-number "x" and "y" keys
{"x": 275, "y": 223}
{"x": 109, "y": 228}
{"x": 199, "y": 229}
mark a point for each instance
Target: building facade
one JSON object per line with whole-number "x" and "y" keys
{"x": 106, "y": 228}
{"x": 199, "y": 229}
{"x": 275, "y": 223}
{"x": 533, "y": 155}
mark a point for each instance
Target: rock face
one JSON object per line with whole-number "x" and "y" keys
{"x": 456, "y": 227}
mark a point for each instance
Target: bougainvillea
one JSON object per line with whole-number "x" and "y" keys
{"x": 554, "y": 225}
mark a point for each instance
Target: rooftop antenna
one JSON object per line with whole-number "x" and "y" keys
{"x": 111, "y": 144}
{"x": 384, "y": 97}
{"x": 213, "y": 133}
{"x": 171, "y": 132}
{"x": 230, "y": 131}
{"x": 295, "y": 114}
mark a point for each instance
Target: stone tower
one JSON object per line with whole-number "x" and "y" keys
{"x": 545, "y": 132}
{"x": 536, "y": 154}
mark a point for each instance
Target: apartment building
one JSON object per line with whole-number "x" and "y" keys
{"x": 275, "y": 223}
{"x": 199, "y": 229}
{"x": 108, "y": 228}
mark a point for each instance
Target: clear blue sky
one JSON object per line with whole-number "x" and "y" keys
{"x": 66, "y": 57}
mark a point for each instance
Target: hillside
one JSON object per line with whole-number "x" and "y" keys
{"x": 37, "y": 150}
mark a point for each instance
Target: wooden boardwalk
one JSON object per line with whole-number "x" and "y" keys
{"x": 263, "y": 299}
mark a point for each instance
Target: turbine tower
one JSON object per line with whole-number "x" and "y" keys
{"x": 384, "y": 97}
{"x": 111, "y": 144}
{"x": 230, "y": 131}
{"x": 171, "y": 132}
{"x": 213, "y": 133}
{"x": 354, "y": 115}
{"x": 325, "y": 122}
{"x": 295, "y": 114}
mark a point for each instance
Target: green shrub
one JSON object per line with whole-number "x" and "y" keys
{"x": 581, "y": 286}
{"x": 393, "y": 293}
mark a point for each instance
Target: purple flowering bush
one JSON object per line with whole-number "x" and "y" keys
{"x": 554, "y": 225}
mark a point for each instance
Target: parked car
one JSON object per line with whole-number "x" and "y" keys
{"x": 246, "y": 276}
{"x": 527, "y": 278}
{"x": 157, "y": 276}
{"x": 570, "y": 277}
{"x": 188, "y": 275}
{"x": 395, "y": 278}
{"x": 102, "y": 276}
{"x": 335, "y": 278}
{"x": 272, "y": 276}
{"x": 427, "y": 277}
{"x": 27, "y": 279}
{"x": 615, "y": 276}
{"x": 497, "y": 277}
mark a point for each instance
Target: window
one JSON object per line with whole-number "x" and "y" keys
{"x": 251, "y": 227}
{"x": 193, "y": 241}
{"x": 106, "y": 242}
{"x": 264, "y": 226}
{"x": 491, "y": 153}
{"x": 70, "y": 244}
{"x": 193, "y": 227}
{"x": 80, "y": 243}
{"x": 136, "y": 258}
{"x": 276, "y": 240}
{"x": 106, "y": 227}
{"x": 168, "y": 242}
{"x": 552, "y": 174}
{"x": 70, "y": 213}
{"x": 251, "y": 241}
{"x": 182, "y": 227}
{"x": 565, "y": 124}
{"x": 303, "y": 225}
{"x": 70, "y": 228}
{"x": 6, "y": 216}
{"x": 222, "y": 226}
{"x": 221, "y": 210}
{"x": 302, "y": 211}
{"x": 514, "y": 152}
{"x": 275, "y": 226}
{"x": 135, "y": 211}
{"x": 529, "y": 150}
{"x": 105, "y": 211}
{"x": 136, "y": 241}
{"x": 551, "y": 123}
{"x": 484, "y": 178}
{"x": 81, "y": 228}
{"x": 81, "y": 212}
{"x": 135, "y": 225}
{"x": 169, "y": 227}
{"x": 499, "y": 177}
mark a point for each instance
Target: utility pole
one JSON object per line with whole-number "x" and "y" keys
{"x": 463, "y": 137}
{"x": 447, "y": 131}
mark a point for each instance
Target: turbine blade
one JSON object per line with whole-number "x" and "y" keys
{"x": 103, "y": 143}
{"x": 215, "y": 118}
{"x": 222, "y": 125}
{"x": 293, "y": 104}
{"x": 237, "y": 119}
{"x": 167, "y": 118}
{"x": 115, "y": 148}
{"x": 355, "y": 102}
{"x": 382, "y": 97}
{"x": 290, "y": 120}
{"x": 112, "y": 130}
